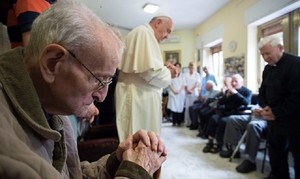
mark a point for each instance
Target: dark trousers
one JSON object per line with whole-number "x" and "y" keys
{"x": 204, "y": 115}
{"x": 216, "y": 127}
{"x": 194, "y": 113}
{"x": 177, "y": 118}
{"x": 221, "y": 129}
{"x": 213, "y": 124}
{"x": 279, "y": 146}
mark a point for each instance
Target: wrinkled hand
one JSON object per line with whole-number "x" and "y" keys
{"x": 144, "y": 156}
{"x": 256, "y": 112}
{"x": 267, "y": 113}
{"x": 149, "y": 139}
{"x": 231, "y": 91}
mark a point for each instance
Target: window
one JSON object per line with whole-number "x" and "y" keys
{"x": 213, "y": 59}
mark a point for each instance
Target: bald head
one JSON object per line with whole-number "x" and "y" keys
{"x": 210, "y": 85}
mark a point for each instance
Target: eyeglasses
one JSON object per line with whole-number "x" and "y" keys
{"x": 101, "y": 83}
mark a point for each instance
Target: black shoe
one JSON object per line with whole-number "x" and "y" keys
{"x": 200, "y": 134}
{"x": 246, "y": 166}
{"x": 211, "y": 148}
{"x": 203, "y": 136}
{"x": 228, "y": 153}
{"x": 215, "y": 149}
{"x": 193, "y": 127}
{"x": 208, "y": 147}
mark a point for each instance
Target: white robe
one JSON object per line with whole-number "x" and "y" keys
{"x": 141, "y": 79}
{"x": 191, "y": 80}
{"x": 176, "y": 101}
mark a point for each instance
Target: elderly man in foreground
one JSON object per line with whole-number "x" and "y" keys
{"x": 69, "y": 63}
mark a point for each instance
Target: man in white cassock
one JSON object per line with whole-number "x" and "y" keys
{"x": 142, "y": 77}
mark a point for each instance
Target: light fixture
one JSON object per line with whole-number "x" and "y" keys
{"x": 150, "y": 8}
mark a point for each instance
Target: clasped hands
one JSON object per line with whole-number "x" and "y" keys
{"x": 231, "y": 91}
{"x": 265, "y": 113}
{"x": 143, "y": 148}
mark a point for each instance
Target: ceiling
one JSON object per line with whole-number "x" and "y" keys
{"x": 186, "y": 14}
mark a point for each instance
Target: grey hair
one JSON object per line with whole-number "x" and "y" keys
{"x": 238, "y": 76}
{"x": 272, "y": 40}
{"x": 212, "y": 83}
{"x": 214, "y": 87}
{"x": 67, "y": 23}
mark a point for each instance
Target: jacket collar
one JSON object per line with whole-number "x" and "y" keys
{"x": 20, "y": 90}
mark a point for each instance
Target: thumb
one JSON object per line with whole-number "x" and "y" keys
{"x": 125, "y": 145}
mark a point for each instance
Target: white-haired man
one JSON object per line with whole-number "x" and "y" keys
{"x": 279, "y": 97}
{"x": 69, "y": 62}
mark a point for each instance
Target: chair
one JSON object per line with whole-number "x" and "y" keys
{"x": 265, "y": 149}
{"x": 97, "y": 142}
{"x": 92, "y": 150}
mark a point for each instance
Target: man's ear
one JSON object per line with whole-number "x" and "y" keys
{"x": 158, "y": 22}
{"x": 51, "y": 60}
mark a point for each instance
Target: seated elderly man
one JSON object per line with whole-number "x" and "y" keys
{"x": 206, "y": 112}
{"x": 236, "y": 96}
{"x": 203, "y": 101}
{"x": 255, "y": 127}
{"x": 69, "y": 62}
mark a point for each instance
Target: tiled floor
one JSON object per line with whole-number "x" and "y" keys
{"x": 187, "y": 161}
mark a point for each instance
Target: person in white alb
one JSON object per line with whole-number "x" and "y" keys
{"x": 177, "y": 97}
{"x": 142, "y": 77}
{"x": 192, "y": 81}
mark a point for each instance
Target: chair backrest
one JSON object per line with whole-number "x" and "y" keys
{"x": 93, "y": 150}
{"x": 254, "y": 99}
{"x": 247, "y": 109}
